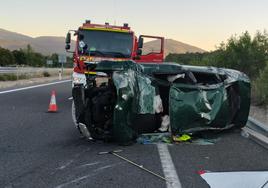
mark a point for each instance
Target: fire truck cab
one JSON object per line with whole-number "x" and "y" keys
{"x": 95, "y": 42}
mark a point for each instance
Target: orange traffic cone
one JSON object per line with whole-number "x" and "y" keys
{"x": 52, "y": 105}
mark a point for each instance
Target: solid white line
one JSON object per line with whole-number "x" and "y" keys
{"x": 35, "y": 86}
{"x": 168, "y": 167}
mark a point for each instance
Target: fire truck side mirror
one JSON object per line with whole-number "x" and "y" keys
{"x": 67, "y": 47}
{"x": 68, "y": 38}
{"x": 140, "y": 42}
{"x": 139, "y": 52}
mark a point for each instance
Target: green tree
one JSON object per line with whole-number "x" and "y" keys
{"x": 20, "y": 57}
{"x": 33, "y": 58}
{"x": 38, "y": 60}
{"x": 261, "y": 86}
{"x": 244, "y": 53}
{"x": 6, "y": 57}
{"x": 54, "y": 58}
{"x": 29, "y": 55}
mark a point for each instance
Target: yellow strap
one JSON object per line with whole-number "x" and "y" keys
{"x": 90, "y": 72}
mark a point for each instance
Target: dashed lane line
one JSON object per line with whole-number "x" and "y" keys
{"x": 168, "y": 167}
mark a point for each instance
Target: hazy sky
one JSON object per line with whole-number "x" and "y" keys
{"x": 203, "y": 23}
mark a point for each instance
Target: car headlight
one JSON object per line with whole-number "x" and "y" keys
{"x": 79, "y": 78}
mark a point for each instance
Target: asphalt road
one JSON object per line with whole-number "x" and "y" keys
{"x": 39, "y": 149}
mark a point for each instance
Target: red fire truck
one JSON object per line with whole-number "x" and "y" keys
{"x": 95, "y": 42}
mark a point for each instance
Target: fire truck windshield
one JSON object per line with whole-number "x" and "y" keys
{"x": 105, "y": 43}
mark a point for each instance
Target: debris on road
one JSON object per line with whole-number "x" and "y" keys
{"x": 131, "y": 162}
{"x": 181, "y": 138}
{"x": 165, "y": 124}
{"x": 205, "y": 141}
{"x": 154, "y": 138}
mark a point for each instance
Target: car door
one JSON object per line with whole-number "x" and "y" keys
{"x": 151, "y": 49}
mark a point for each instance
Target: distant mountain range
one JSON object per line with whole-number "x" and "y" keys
{"x": 51, "y": 44}
{"x": 173, "y": 46}
{"x": 45, "y": 44}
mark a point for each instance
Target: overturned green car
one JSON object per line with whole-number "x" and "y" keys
{"x": 125, "y": 99}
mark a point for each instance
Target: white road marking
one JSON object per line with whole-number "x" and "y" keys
{"x": 168, "y": 167}
{"x": 94, "y": 173}
{"x": 35, "y": 86}
{"x": 88, "y": 164}
{"x": 70, "y": 98}
{"x": 65, "y": 165}
{"x": 103, "y": 167}
{"x": 75, "y": 180}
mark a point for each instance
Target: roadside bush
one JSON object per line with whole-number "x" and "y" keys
{"x": 6, "y": 57}
{"x": 12, "y": 77}
{"x": 244, "y": 53}
{"x": 46, "y": 74}
{"x": 20, "y": 57}
{"x": 22, "y": 77}
{"x": 261, "y": 86}
{"x": 8, "y": 77}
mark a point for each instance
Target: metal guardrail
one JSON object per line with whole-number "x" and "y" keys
{"x": 257, "y": 131}
{"x": 25, "y": 70}
{"x": 257, "y": 126}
